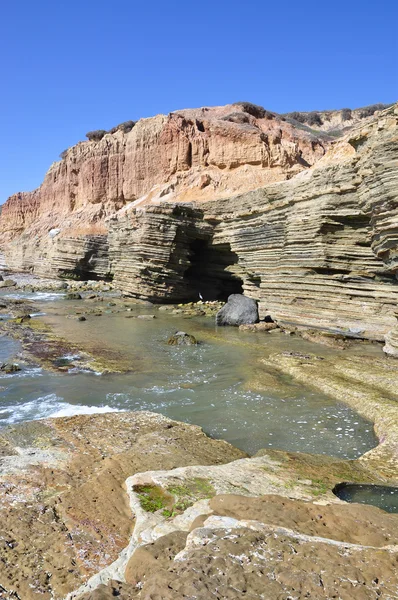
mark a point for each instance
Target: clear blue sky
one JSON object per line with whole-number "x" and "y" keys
{"x": 69, "y": 66}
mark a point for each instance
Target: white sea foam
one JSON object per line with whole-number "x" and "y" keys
{"x": 79, "y": 370}
{"x": 50, "y": 405}
{"x": 41, "y": 296}
{"x": 70, "y": 410}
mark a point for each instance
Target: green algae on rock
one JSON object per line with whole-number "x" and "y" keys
{"x": 247, "y": 524}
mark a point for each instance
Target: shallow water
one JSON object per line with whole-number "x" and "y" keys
{"x": 218, "y": 384}
{"x": 382, "y": 496}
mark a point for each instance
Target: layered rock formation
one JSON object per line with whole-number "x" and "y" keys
{"x": 188, "y": 155}
{"x": 157, "y": 210}
{"x": 317, "y": 251}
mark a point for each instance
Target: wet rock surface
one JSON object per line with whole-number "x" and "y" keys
{"x": 6, "y": 283}
{"x": 64, "y": 510}
{"x": 258, "y": 327}
{"x": 254, "y": 540}
{"x": 9, "y": 368}
{"x": 180, "y": 338}
{"x": 93, "y": 501}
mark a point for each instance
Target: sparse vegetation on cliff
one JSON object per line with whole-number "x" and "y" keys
{"x": 314, "y": 118}
{"x": 259, "y": 112}
{"x": 126, "y": 126}
{"x": 96, "y": 136}
{"x": 346, "y": 114}
{"x": 318, "y": 118}
{"x": 311, "y": 118}
{"x": 368, "y": 111}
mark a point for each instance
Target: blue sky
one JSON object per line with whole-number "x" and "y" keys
{"x": 67, "y": 67}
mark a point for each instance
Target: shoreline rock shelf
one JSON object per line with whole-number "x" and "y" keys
{"x": 63, "y": 488}
{"x": 188, "y": 494}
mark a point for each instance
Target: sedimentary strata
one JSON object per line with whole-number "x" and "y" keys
{"x": 187, "y": 155}
{"x": 317, "y": 251}
{"x": 157, "y": 209}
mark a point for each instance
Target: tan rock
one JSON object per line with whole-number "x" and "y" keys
{"x": 317, "y": 250}
{"x": 64, "y": 510}
{"x": 196, "y": 154}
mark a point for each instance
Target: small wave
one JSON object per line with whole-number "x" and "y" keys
{"x": 25, "y": 372}
{"x": 33, "y": 409}
{"x": 41, "y": 296}
{"x": 82, "y": 370}
{"x": 43, "y": 407}
{"x": 71, "y": 410}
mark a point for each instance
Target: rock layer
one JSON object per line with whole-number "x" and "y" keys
{"x": 316, "y": 248}
{"x": 316, "y": 251}
{"x": 233, "y": 532}
{"x": 196, "y": 154}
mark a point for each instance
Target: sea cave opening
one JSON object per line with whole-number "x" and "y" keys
{"x": 213, "y": 272}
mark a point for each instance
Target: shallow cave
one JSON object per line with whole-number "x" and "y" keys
{"x": 212, "y": 273}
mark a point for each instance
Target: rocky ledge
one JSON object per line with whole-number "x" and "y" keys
{"x": 136, "y": 505}
{"x": 65, "y": 514}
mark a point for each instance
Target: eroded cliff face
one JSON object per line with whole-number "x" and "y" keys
{"x": 160, "y": 209}
{"x": 318, "y": 250}
{"x": 198, "y": 154}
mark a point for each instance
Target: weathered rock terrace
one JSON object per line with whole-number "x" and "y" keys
{"x": 153, "y": 508}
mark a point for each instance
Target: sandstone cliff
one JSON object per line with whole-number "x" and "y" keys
{"x": 221, "y": 200}
{"x": 318, "y": 250}
{"x": 197, "y": 154}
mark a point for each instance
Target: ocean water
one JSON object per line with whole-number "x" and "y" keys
{"x": 220, "y": 384}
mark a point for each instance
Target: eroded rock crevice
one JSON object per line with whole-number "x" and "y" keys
{"x": 214, "y": 272}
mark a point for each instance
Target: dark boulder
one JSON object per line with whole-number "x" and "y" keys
{"x": 239, "y": 310}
